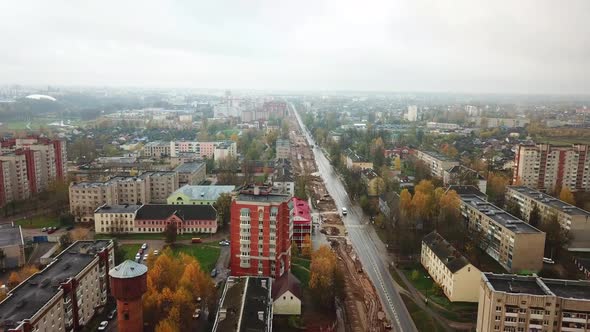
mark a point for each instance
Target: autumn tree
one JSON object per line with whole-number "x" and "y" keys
{"x": 406, "y": 203}
{"x": 223, "y": 207}
{"x": 306, "y": 246}
{"x": 170, "y": 233}
{"x": 449, "y": 213}
{"x": 397, "y": 163}
{"x": 513, "y": 208}
{"x": 376, "y": 187}
{"x": 496, "y": 188}
{"x": 294, "y": 249}
{"x": 567, "y": 196}
{"x": 323, "y": 279}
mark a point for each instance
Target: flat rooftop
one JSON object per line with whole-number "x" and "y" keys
{"x": 32, "y": 294}
{"x": 157, "y": 173}
{"x": 203, "y": 193}
{"x": 120, "y": 208}
{"x": 189, "y": 167}
{"x": 437, "y": 155}
{"x": 515, "y": 284}
{"x": 550, "y": 201}
{"x": 262, "y": 197}
{"x": 10, "y": 235}
{"x": 85, "y": 185}
{"x": 498, "y": 215}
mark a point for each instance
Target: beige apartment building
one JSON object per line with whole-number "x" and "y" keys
{"x": 156, "y": 149}
{"x": 64, "y": 295}
{"x": 513, "y": 243}
{"x": 458, "y": 278}
{"x": 15, "y": 179}
{"x": 149, "y": 187}
{"x": 571, "y": 218}
{"x": 529, "y": 303}
{"x": 191, "y": 173}
{"x": 549, "y": 167}
{"x": 115, "y": 218}
{"x": 437, "y": 162}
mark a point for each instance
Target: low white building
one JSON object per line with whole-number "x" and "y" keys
{"x": 286, "y": 295}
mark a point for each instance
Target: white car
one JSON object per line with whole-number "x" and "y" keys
{"x": 197, "y": 313}
{"x": 137, "y": 256}
{"x": 103, "y": 325}
{"x": 144, "y": 246}
{"x": 548, "y": 260}
{"x": 156, "y": 252}
{"x": 344, "y": 211}
{"x": 145, "y": 257}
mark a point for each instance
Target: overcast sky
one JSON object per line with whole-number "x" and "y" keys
{"x": 534, "y": 46}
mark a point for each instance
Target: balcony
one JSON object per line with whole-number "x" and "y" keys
{"x": 573, "y": 320}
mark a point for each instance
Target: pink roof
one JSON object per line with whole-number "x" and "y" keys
{"x": 301, "y": 210}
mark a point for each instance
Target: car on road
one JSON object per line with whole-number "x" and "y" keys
{"x": 51, "y": 230}
{"x": 112, "y": 314}
{"x": 103, "y": 325}
{"x": 344, "y": 211}
{"x": 197, "y": 313}
{"x": 137, "y": 256}
{"x": 144, "y": 246}
{"x": 224, "y": 243}
{"x": 145, "y": 257}
{"x": 44, "y": 229}
{"x": 548, "y": 260}
{"x": 156, "y": 252}
{"x": 214, "y": 273}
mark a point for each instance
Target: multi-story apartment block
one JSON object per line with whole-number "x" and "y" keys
{"x": 529, "y": 303}
{"x": 156, "y": 149}
{"x": 301, "y": 219}
{"x": 154, "y": 218}
{"x": 513, "y": 243}
{"x": 461, "y": 175}
{"x": 354, "y": 161}
{"x": 12, "y": 244}
{"x": 436, "y": 162}
{"x": 282, "y": 178}
{"x": 457, "y": 277}
{"x": 261, "y": 232}
{"x": 149, "y": 187}
{"x": 283, "y": 148}
{"x": 29, "y": 166}
{"x": 549, "y": 168}
{"x": 224, "y": 150}
{"x": 65, "y": 295}
{"x": 191, "y": 173}
{"x": 571, "y": 218}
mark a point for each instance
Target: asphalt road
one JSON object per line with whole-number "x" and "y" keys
{"x": 365, "y": 242}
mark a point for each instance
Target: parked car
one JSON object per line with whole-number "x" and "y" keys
{"x": 103, "y": 325}
{"x": 548, "y": 260}
{"x": 137, "y": 256}
{"x": 156, "y": 252}
{"x": 214, "y": 273}
{"x": 145, "y": 257}
{"x": 44, "y": 229}
{"x": 112, "y": 314}
{"x": 144, "y": 246}
{"x": 224, "y": 243}
{"x": 197, "y": 313}
{"x": 50, "y": 230}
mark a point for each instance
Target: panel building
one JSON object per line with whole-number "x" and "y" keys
{"x": 436, "y": 162}
{"x": 283, "y": 148}
{"x": 65, "y": 295}
{"x": 530, "y": 303}
{"x": 261, "y": 232}
{"x": 513, "y": 243}
{"x": 549, "y": 167}
{"x": 457, "y": 277}
{"x": 12, "y": 244}
{"x": 191, "y": 173}
{"x": 571, "y": 218}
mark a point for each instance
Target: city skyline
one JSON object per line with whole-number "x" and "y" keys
{"x": 529, "y": 47}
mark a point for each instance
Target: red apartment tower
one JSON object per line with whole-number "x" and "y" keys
{"x": 301, "y": 217}
{"x": 261, "y": 231}
{"x": 128, "y": 284}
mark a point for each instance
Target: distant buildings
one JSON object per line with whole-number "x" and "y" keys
{"x": 29, "y": 166}
{"x": 529, "y": 303}
{"x": 65, "y": 295}
{"x": 571, "y": 218}
{"x": 154, "y": 218}
{"x": 354, "y": 161}
{"x": 461, "y": 175}
{"x": 283, "y": 149}
{"x": 191, "y": 173}
{"x": 12, "y": 244}
{"x": 457, "y": 277}
{"x": 217, "y": 150}
{"x": 442, "y": 126}
{"x": 549, "y": 167}
{"x": 412, "y": 114}
{"x": 437, "y": 162}
{"x": 198, "y": 195}
{"x": 269, "y": 110}
{"x": 149, "y": 187}
{"x": 513, "y": 243}
{"x": 245, "y": 305}
{"x": 487, "y": 122}
{"x": 261, "y": 232}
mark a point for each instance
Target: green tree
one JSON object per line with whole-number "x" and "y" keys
{"x": 223, "y": 207}
{"x": 556, "y": 236}
{"x": 171, "y": 233}
{"x": 535, "y": 216}
{"x": 513, "y": 208}
{"x": 415, "y": 275}
{"x": 294, "y": 249}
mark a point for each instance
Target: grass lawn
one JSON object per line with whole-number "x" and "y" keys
{"x": 397, "y": 278}
{"x": 301, "y": 274}
{"x": 301, "y": 261}
{"x": 206, "y": 254}
{"x": 39, "y": 222}
{"x": 130, "y": 250}
{"x": 422, "y": 320}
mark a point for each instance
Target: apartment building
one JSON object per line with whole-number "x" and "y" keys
{"x": 154, "y": 218}
{"x": 282, "y": 177}
{"x": 198, "y": 195}
{"x": 15, "y": 179}
{"x": 12, "y": 244}
{"x": 457, "y": 277}
{"x": 436, "y": 162}
{"x": 461, "y": 175}
{"x": 224, "y": 150}
{"x": 149, "y": 187}
{"x": 191, "y": 173}
{"x": 204, "y": 149}
{"x": 354, "y": 161}
{"x": 245, "y": 305}
{"x": 549, "y": 167}
{"x": 301, "y": 219}
{"x": 157, "y": 149}
{"x": 513, "y": 243}
{"x": 65, "y": 295}
{"x": 283, "y": 149}
{"x": 529, "y": 303}
{"x": 571, "y": 218}
{"x": 261, "y": 232}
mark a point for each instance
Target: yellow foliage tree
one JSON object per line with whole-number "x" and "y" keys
{"x": 405, "y": 203}
{"x": 322, "y": 276}
{"x": 567, "y": 196}
{"x": 397, "y": 163}
{"x": 306, "y": 246}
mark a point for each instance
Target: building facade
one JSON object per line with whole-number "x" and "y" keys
{"x": 302, "y": 221}
{"x": 12, "y": 245}
{"x": 461, "y": 175}
{"x": 261, "y": 232}
{"x": 436, "y": 162}
{"x": 191, "y": 173}
{"x": 530, "y": 303}
{"x": 549, "y": 167}
{"x": 283, "y": 148}
{"x": 65, "y": 295}
{"x": 156, "y": 149}
{"x": 457, "y": 277}
{"x": 571, "y": 218}
{"x": 513, "y": 243}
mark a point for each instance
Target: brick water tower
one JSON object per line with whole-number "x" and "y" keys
{"x": 128, "y": 283}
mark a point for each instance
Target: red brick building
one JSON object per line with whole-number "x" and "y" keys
{"x": 301, "y": 217}
{"x": 260, "y": 231}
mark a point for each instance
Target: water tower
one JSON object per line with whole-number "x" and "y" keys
{"x": 128, "y": 283}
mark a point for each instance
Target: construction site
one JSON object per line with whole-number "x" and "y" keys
{"x": 361, "y": 306}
